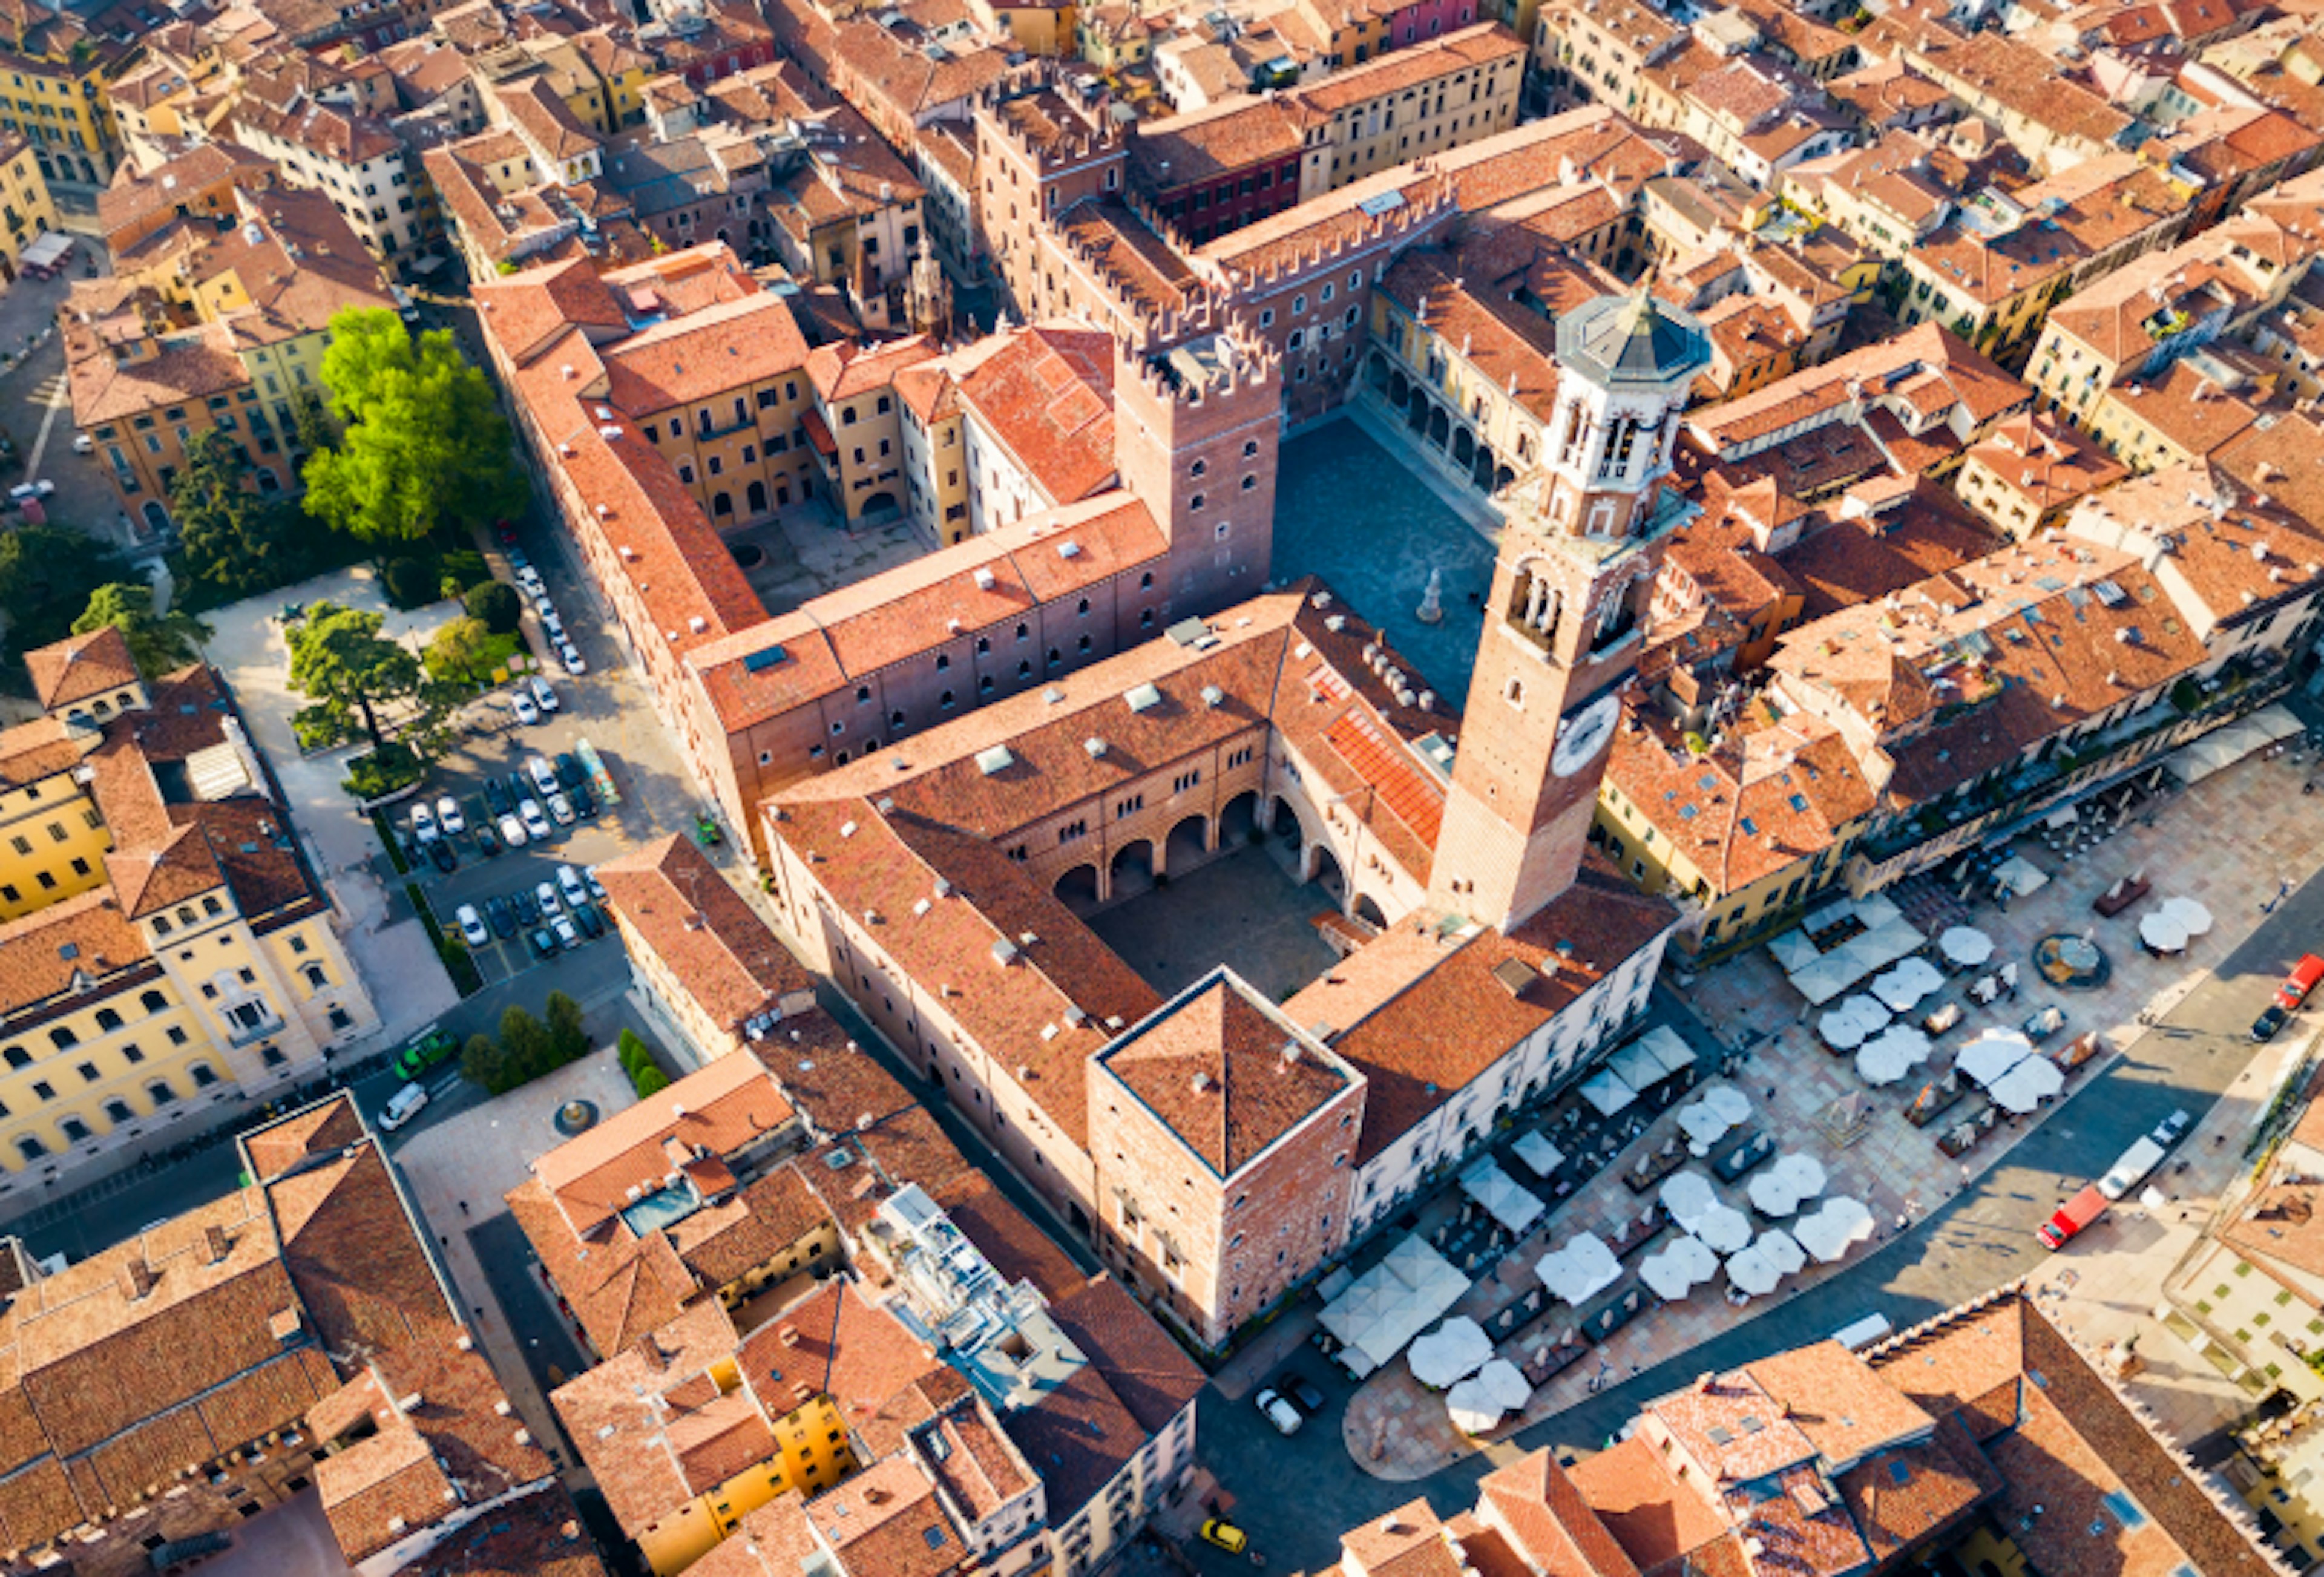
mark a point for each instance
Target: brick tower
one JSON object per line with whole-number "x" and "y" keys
{"x": 1566, "y": 617}
{"x": 1194, "y": 432}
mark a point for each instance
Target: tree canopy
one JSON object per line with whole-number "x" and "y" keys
{"x": 237, "y": 542}
{"x": 422, "y": 441}
{"x": 47, "y": 575}
{"x": 159, "y": 642}
{"x": 349, "y": 670}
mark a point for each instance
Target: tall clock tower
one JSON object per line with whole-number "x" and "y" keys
{"x": 1566, "y": 617}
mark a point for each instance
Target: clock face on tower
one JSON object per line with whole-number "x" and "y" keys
{"x": 1582, "y": 737}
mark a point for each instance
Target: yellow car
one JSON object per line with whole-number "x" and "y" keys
{"x": 1225, "y": 1535}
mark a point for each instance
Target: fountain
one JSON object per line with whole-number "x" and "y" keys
{"x": 1432, "y": 606}
{"x": 576, "y": 1116}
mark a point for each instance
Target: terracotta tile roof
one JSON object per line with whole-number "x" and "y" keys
{"x": 538, "y": 1535}
{"x": 1909, "y": 1495}
{"x": 1077, "y": 1437}
{"x": 324, "y": 1128}
{"x": 703, "y": 356}
{"x": 1485, "y": 45}
{"x": 619, "y": 1290}
{"x": 348, "y": 1245}
{"x": 1216, "y": 141}
{"x": 1408, "y": 1542}
{"x": 1104, "y": 236}
{"x": 188, "y": 364}
{"x": 1654, "y": 1518}
{"x": 621, "y": 1415}
{"x": 1148, "y": 1373}
{"x": 887, "y": 1522}
{"x": 44, "y": 953}
{"x": 81, "y": 666}
{"x": 1732, "y": 1428}
{"x": 845, "y": 369}
{"x": 1848, "y": 561}
{"x": 1965, "y": 379}
{"x": 1015, "y": 1246}
{"x": 1225, "y": 1072}
{"x": 836, "y": 1085}
{"x": 723, "y": 1243}
{"x": 1046, "y": 395}
{"x": 2046, "y": 462}
{"x": 775, "y": 1540}
{"x": 1846, "y": 1411}
{"x": 679, "y": 905}
{"x": 709, "y": 1114}
{"x": 836, "y": 1343}
{"x": 1550, "y": 1520}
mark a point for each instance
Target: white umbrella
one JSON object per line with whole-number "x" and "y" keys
{"x": 1537, "y": 1153}
{"x": 1579, "y": 1271}
{"x": 1779, "y": 1188}
{"x": 1479, "y": 1402}
{"x": 1966, "y": 945}
{"x": 1750, "y": 1274}
{"x": 2024, "y": 1086}
{"x": 1702, "y": 1125}
{"x": 1841, "y": 1030}
{"x": 1826, "y": 1234}
{"x": 2189, "y": 915}
{"x": 1727, "y": 1101}
{"x": 2163, "y": 933}
{"x": 1722, "y": 1227}
{"x": 1878, "y": 1062}
{"x": 1907, "y": 984}
{"x": 1779, "y": 1249}
{"x": 1678, "y": 1268}
{"x": 1687, "y": 1194}
{"x": 1456, "y": 1348}
{"x": 1992, "y": 1055}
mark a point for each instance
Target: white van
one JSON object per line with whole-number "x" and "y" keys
{"x": 402, "y": 1107}
{"x": 2127, "y": 1174}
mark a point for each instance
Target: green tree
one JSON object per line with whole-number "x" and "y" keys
{"x": 632, "y": 1051}
{"x": 481, "y": 1062}
{"x": 229, "y": 533}
{"x": 423, "y": 443}
{"x": 495, "y": 602}
{"x": 342, "y": 663}
{"x": 47, "y": 575}
{"x": 409, "y": 583}
{"x": 159, "y": 642}
{"x": 525, "y": 1042}
{"x": 462, "y": 647}
{"x": 649, "y": 1081}
{"x": 568, "y": 1040}
{"x": 311, "y": 426}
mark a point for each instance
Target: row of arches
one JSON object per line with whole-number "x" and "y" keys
{"x": 1428, "y": 418}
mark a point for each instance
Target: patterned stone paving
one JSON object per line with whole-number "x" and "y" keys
{"x": 2229, "y": 841}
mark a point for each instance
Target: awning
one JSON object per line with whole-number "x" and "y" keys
{"x": 46, "y": 251}
{"x": 1392, "y": 1303}
{"x": 2021, "y": 878}
{"x": 1606, "y": 1092}
{"x": 1456, "y": 1349}
{"x": 1479, "y": 1402}
{"x": 1540, "y": 1156}
{"x": 1498, "y": 1192}
{"x": 2224, "y": 747}
{"x": 1579, "y": 1271}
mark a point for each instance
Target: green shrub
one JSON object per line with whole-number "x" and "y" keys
{"x": 463, "y": 568}
{"x": 651, "y": 1082}
{"x": 409, "y": 583}
{"x": 495, "y": 602}
{"x": 634, "y": 1053}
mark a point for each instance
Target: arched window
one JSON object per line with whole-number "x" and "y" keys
{"x": 107, "y": 1019}
{"x": 31, "y": 1148}
{"x": 185, "y": 914}
{"x": 153, "y": 1002}
{"x": 210, "y": 906}
{"x": 63, "y": 1039}
{"x": 75, "y": 1129}
{"x": 160, "y": 1093}
{"x": 204, "y": 1074}
{"x": 117, "y": 1113}
{"x": 18, "y": 1058}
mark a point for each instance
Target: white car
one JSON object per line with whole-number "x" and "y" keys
{"x": 423, "y": 824}
{"x": 83, "y": 443}
{"x": 448, "y": 812}
{"x": 596, "y": 887}
{"x": 512, "y": 832}
{"x": 545, "y": 895}
{"x": 520, "y": 702}
{"x": 543, "y": 775}
{"x": 528, "y": 578}
{"x": 473, "y": 928}
{"x": 567, "y": 935}
{"x": 544, "y": 693}
{"x": 571, "y": 657}
{"x": 1276, "y": 1410}
{"x": 402, "y": 1107}
{"x": 554, "y": 625}
{"x": 23, "y": 492}
{"x": 569, "y": 883}
{"x": 561, "y": 808}
{"x": 536, "y": 824}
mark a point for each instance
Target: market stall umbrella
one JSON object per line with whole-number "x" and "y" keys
{"x": 1780, "y": 1250}
{"x": 2188, "y": 914}
{"x": 1500, "y": 1195}
{"x": 1480, "y": 1402}
{"x": 1579, "y": 1271}
{"x": 1722, "y": 1228}
{"x": 2163, "y": 932}
{"x": 1729, "y": 1103}
{"x": 1907, "y": 983}
{"x": 1750, "y": 1274}
{"x": 1826, "y": 1234}
{"x": 1456, "y": 1348}
{"x": 1841, "y": 1030}
{"x": 1779, "y": 1189}
{"x": 1540, "y": 1156}
{"x": 1608, "y": 1094}
{"x": 1878, "y": 1064}
{"x": 2027, "y": 1086}
{"x": 1966, "y": 945}
{"x": 1992, "y": 1055}
{"x": 1681, "y": 1265}
{"x": 1686, "y": 1194}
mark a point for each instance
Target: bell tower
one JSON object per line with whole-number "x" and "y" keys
{"x": 1566, "y": 617}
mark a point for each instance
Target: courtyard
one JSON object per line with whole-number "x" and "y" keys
{"x": 1347, "y": 509}
{"x": 1246, "y": 909}
{"x": 797, "y": 554}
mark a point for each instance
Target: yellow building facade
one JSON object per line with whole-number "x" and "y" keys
{"x": 812, "y": 1454}
{"x": 26, "y": 211}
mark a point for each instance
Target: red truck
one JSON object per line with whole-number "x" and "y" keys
{"x": 2072, "y": 1216}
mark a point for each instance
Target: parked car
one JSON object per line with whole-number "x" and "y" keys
{"x": 554, "y": 625}
{"x": 488, "y": 844}
{"x": 543, "y": 941}
{"x": 526, "y": 711}
{"x": 543, "y": 775}
{"x": 570, "y": 769}
{"x": 571, "y": 658}
{"x": 506, "y": 532}
{"x": 596, "y": 887}
{"x": 1277, "y": 1411}
{"x": 425, "y": 1053}
{"x": 545, "y": 895}
{"x": 707, "y": 830}
{"x": 593, "y": 924}
{"x": 2072, "y": 1216}
{"x": 423, "y": 824}
{"x": 26, "y": 492}
{"x": 1226, "y": 1536}
{"x": 1301, "y": 1390}
{"x": 528, "y": 579}
{"x": 83, "y": 443}
{"x": 516, "y": 556}
{"x": 2173, "y": 1128}
{"x": 502, "y": 916}
{"x": 536, "y": 822}
{"x": 584, "y": 804}
{"x": 561, "y": 808}
{"x": 402, "y": 1107}
{"x": 522, "y": 899}
{"x": 567, "y": 935}
{"x": 2302, "y": 979}
{"x": 543, "y": 693}
{"x": 569, "y": 884}
{"x": 448, "y": 815}
{"x": 2131, "y": 1168}
{"x": 441, "y": 853}
{"x": 471, "y": 926}
{"x": 512, "y": 832}
{"x": 497, "y": 798}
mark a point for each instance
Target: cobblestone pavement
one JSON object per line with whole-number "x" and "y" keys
{"x": 2228, "y": 842}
